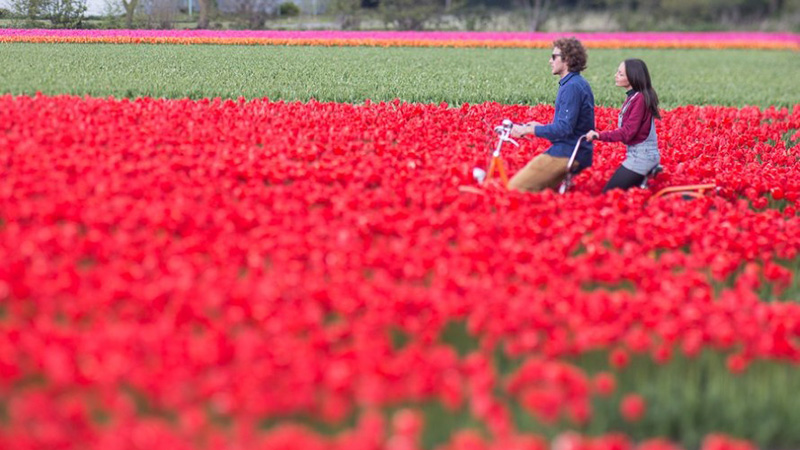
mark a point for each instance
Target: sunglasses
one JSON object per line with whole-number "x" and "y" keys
{"x": 554, "y": 56}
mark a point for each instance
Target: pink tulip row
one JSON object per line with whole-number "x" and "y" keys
{"x": 399, "y": 38}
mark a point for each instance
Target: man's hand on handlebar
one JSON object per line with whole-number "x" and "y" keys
{"x": 522, "y": 129}
{"x": 592, "y": 135}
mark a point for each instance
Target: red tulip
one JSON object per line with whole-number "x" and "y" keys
{"x": 224, "y": 263}
{"x": 633, "y": 407}
{"x": 604, "y": 384}
{"x": 619, "y": 358}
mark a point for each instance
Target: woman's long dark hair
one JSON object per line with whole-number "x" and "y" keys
{"x": 639, "y": 78}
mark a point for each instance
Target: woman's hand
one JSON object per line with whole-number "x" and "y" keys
{"x": 592, "y": 135}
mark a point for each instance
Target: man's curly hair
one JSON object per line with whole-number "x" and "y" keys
{"x": 573, "y": 53}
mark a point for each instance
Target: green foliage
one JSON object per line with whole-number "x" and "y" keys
{"x": 344, "y": 6}
{"x": 398, "y": 337}
{"x": 409, "y": 14}
{"x": 4, "y": 13}
{"x": 456, "y": 335}
{"x": 690, "y": 397}
{"x": 686, "y": 399}
{"x": 65, "y": 13}
{"x": 550, "y": 15}
{"x": 289, "y": 9}
{"x": 700, "y": 9}
{"x": 711, "y": 11}
{"x": 60, "y": 13}
{"x": 348, "y": 13}
{"x": 28, "y": 9}
{"x": 789, "y": 138}
{"x": 455, "y": 76}
{"x": 475, "y": 17}
{"x": 440, "y": 423}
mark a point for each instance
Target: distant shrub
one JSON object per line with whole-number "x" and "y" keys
{"x": 408, "y": 14}
{"x": 289, "y": 9}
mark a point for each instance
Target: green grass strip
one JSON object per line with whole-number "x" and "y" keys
{"x": 688, "y": 398}
{"x": 429, "y": 75}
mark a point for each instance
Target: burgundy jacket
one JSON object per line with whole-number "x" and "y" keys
{"x": 635, "y": 122}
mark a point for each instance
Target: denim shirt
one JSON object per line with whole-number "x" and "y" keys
{"x": 574, "y": 117}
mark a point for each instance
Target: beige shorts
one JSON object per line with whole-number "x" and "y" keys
{"x": 542, "y": 172}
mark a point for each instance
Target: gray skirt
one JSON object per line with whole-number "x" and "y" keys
{"x": 643, "y": 156}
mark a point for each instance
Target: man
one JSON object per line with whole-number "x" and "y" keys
{"x": 574, "y": 117}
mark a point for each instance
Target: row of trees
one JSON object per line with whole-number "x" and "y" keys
{"x": 413, "y": 14}
{"x": 61, "y": 13}
{"x": 147, "y": 13}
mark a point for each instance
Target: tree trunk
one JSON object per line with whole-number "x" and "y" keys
{"x": 772, "y": 7}
{"x": 539, "y": 13}
{"x": 648, "y": 7}
{"x": 202, "y": 20}
{"x": 130, "y": 9}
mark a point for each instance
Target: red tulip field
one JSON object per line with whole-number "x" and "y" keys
{"x": 255, "y": 274}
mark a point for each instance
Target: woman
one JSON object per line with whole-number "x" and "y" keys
{"x": 636, "y": 126}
